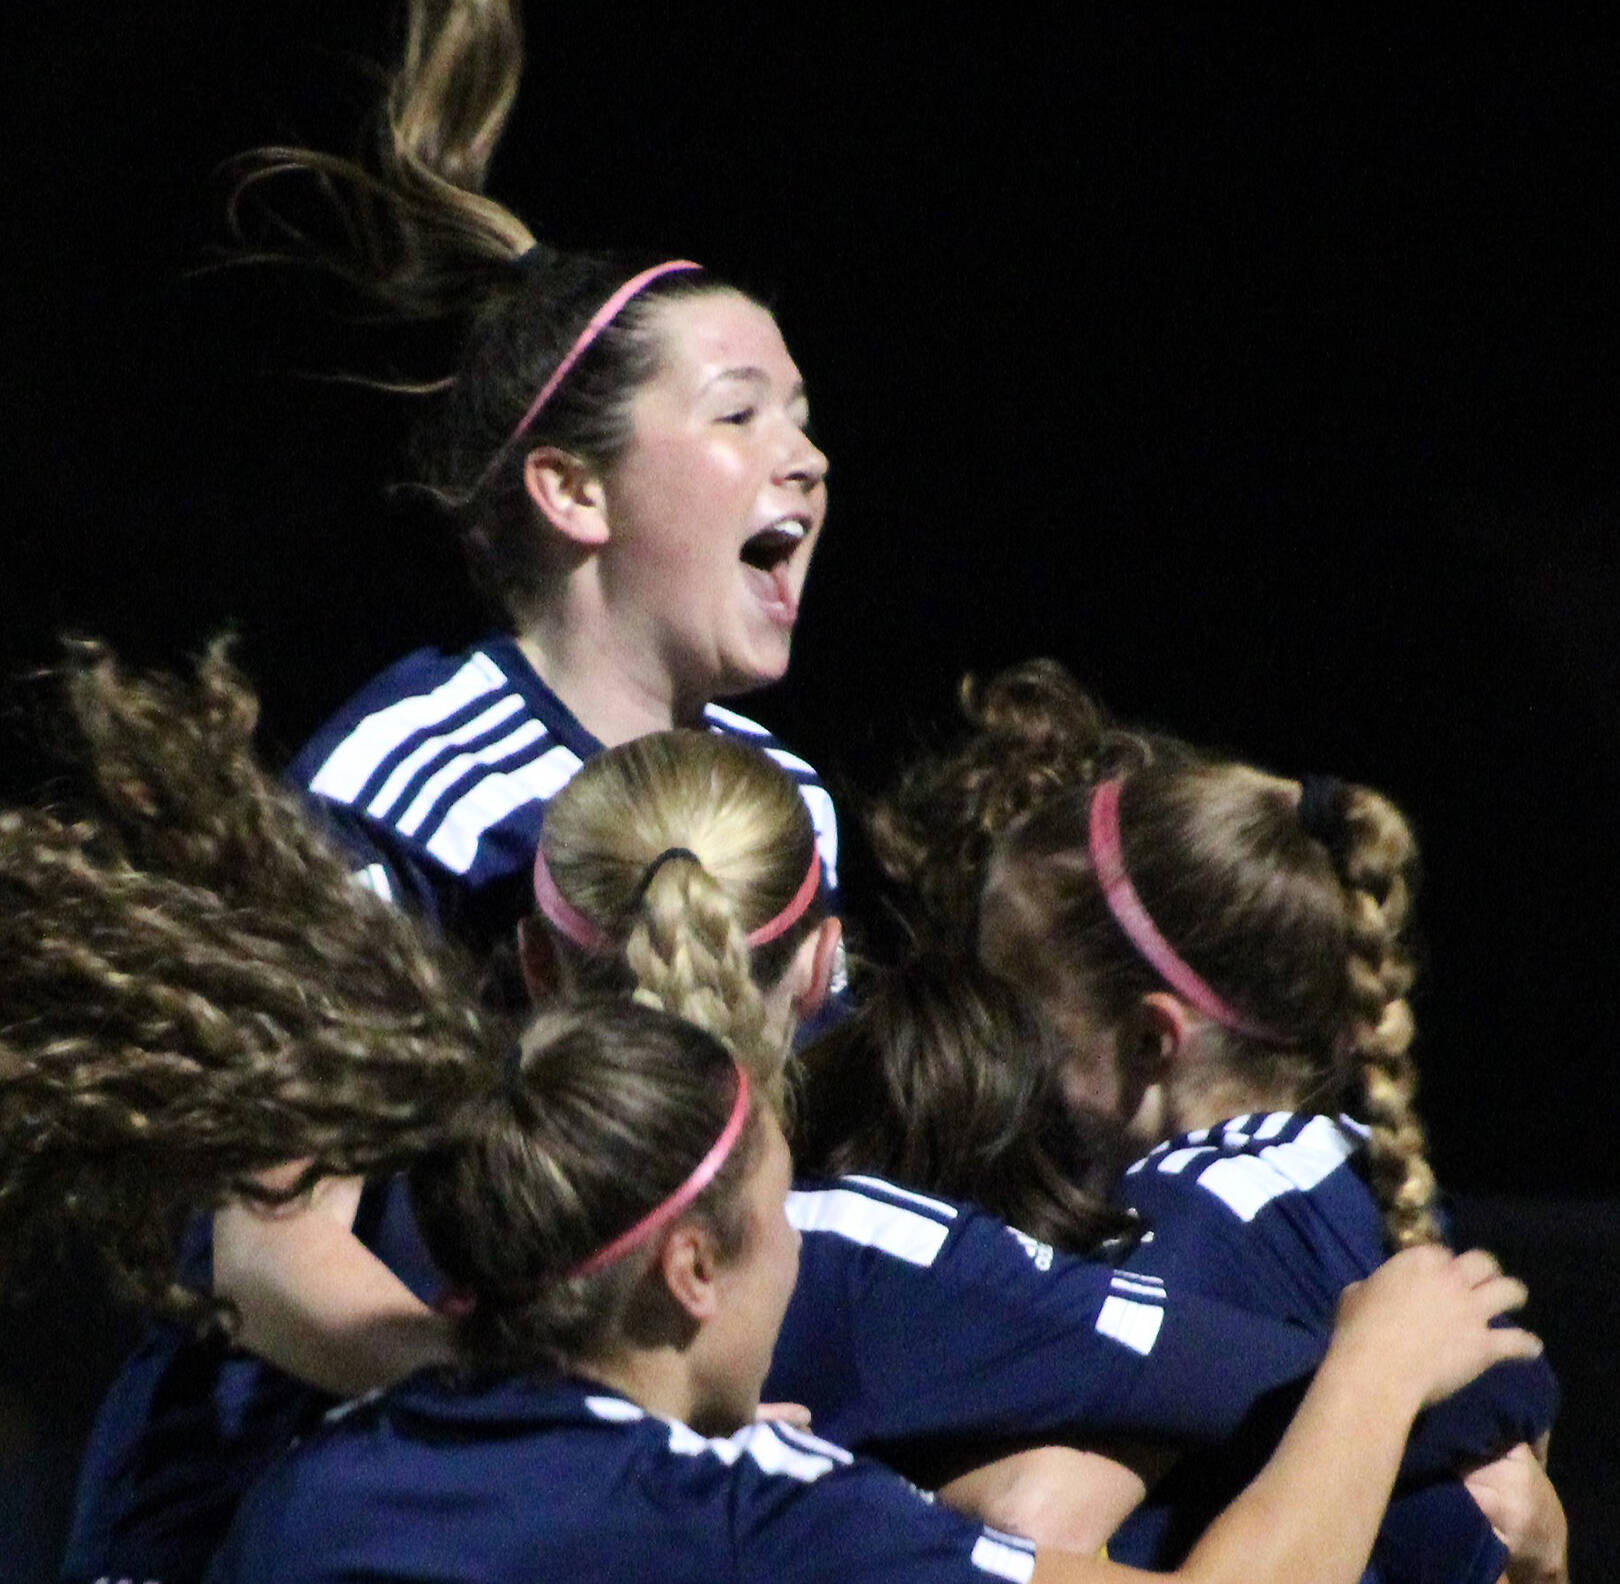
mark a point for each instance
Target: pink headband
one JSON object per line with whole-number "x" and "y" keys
{"x": 571, "y": 923}
{"x": 1108, "y": 858}
{"x": 701, "y": 1176}
{"x": 600, "y": 320}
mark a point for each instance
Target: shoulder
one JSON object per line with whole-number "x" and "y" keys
{"x": 816, "y": 797}
{"x": 871, "y": 1213}
{"x": 1268, "y": 1211}
{"x": 805, "y": 1508}
{"x": 790, "y": 1504}
{"x": 443, "y": 756}
{"x": 930, "y": 1256}
{"x": 1246, "y": 1164}
{"x": 730, "y": 724}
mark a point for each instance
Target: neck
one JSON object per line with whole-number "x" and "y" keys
{"x": 1221, "y": 1098}
{"x": 659, "y": 1379}
{"x": 608, "y": 682}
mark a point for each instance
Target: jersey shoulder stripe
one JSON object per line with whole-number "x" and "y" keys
{"x": 882, "y": 1188}
{"x": 905, "y": 1232}
{"x": 408, "y": 770}
{"x": 738, "y": 725}
{"x": 775, "y": 1448}
{"x": 461, "y": 824}
{"x": 1004, "y": 1556}
{"x": 378, "y": 739}
{"x": 823, "y": 816}
{"x": 761, "y": 737}
{"x": 427, "y": 796}
{"x": 1249, "y": 1162}
{"x": 1133, "y": 1312}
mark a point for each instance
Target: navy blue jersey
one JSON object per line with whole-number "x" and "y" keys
{"x": 437, "y": 774}
{"x": 1274, "y": 1211}
{"x": 929, "y": 1334}
{"x": 516, "y": 1480}
{"x": 190, "y": 1422}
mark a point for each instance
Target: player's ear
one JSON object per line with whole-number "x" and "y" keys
{"x": 568, "y": 492}
{"x": 1160, "y": 1036}
{"x": 690, "y": 1262}
{"x": 823, "y": 947}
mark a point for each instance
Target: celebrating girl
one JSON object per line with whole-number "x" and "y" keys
{"x": 623, "y": 448}
{"x": 612, "y": 1212}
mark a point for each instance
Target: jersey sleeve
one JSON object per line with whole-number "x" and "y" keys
{"x": 1511, "y": 1402}
{"x": 386, "y": 865}
{"x": 1440, "y": 1520}
{"x": 919, "y": 1326}
{"x": 807, "y": 1511}
{"x": 1287, "y": 1243}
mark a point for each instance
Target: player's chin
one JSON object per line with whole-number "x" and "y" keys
{"x": 761, "y": 665}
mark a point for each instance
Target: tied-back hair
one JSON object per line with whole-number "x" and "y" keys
{"x": 193, "y": 989}
{"x": 680, "y": 929}
{"x": 1303, "y": 936}
{"x": 603, "y": 1115}
{"x": 948, "y": 1080}
{"x": 411, "y": 229}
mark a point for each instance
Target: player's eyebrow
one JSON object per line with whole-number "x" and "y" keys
{"x": 751, "y": 374}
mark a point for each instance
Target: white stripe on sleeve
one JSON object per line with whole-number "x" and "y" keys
{"x": 355, "y": 760}
{"x": 905, "y": 1234}
{"x": 1134, "y": 1325}
{"x": 453, "y": 770}
{"x": 374, "y": 877}
{"x": 1005, "y": 1556}
{"x": 455, "y": 843}
{"x": 424, "y": 753}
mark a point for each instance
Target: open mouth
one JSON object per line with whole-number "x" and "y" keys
{"x": 770, "y": 547}
{"x": 768, "y": 555}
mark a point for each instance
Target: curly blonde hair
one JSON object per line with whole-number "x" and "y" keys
{"x": 194, "y": 989}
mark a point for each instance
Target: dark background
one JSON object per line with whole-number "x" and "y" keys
{"x": 1263, "y": 370}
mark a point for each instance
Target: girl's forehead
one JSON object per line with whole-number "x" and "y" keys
{"x": 713, "y": 334}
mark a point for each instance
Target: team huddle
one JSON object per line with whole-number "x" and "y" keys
{"x": 525, "y": 1179}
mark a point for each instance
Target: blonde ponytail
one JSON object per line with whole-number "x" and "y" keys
{"x": 688, "y": 950}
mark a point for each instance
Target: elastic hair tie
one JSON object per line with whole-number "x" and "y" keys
{"x": 599, "y": 321}
{"x": 700, "y": 1177}
{"x": 1324, "y": 808}
{"x": 569, "y": 922}
{"x": 1108, "y": 858}
{"x": 668, "y": 855}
